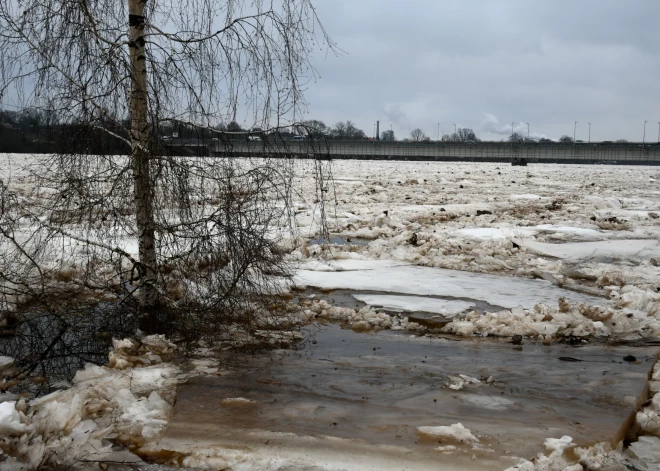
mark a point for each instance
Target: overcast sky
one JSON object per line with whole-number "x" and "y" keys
{"x": 483, "y": 64}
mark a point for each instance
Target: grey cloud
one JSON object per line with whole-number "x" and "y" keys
{"x": 492, "y": 125}
{"x": 548, "y": 63}
{"x": 396, "y": 116}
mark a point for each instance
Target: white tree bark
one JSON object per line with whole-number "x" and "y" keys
{"x": 143, "y": 190}
{"x": 191, "y": 64}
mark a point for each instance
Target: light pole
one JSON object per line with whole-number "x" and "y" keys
{"x": 455, "y": 130}
{"x": 644, "y": 135}
{"x": 512, "y": 123}
{"x": 439, "y": 131}
{"x": 527, "y": 131}
{"x": 574, "y": 130}
{"x": 589, "y": 133}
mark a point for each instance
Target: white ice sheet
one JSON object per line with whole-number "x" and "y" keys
{"x": 415, "y": 303}
{"x": 638, "y": 249}
{"x": 508, "y": 292}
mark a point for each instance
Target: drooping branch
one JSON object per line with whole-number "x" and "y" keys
{"x": 120, "y": 75}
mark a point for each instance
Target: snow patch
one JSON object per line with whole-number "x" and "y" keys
{"x": 454, "y": 433}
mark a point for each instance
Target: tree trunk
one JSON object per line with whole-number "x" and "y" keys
{"x": 143, "y": 189}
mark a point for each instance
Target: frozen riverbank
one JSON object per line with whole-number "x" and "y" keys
{"x": 496, "y": 251}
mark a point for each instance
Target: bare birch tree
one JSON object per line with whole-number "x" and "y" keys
{"x": 126, "y": 71}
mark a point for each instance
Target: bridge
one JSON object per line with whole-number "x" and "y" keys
{"x": 519, "y": 152}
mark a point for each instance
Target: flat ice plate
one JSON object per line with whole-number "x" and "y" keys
{"x": 638, "y": 249}
{"x": 354, "y": 401}
{"x": 403, "y": 278}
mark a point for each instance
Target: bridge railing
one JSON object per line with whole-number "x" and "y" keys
{"x": 632, "y": 153}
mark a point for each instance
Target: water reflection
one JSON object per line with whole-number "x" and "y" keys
{"x": 377, "y": 389}
{"x": 50, "y": 347}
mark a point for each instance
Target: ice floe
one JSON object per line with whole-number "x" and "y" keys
{"x": 383, "y": 276}
{"x": 415, "y": 303}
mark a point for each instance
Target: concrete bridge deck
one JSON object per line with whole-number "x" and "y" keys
{"x": 580, "y": 153}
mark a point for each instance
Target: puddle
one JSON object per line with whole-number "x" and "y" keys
{"x": 429, "y": 320}
{"x": 339, "y": 240}
{"x": 338, "y": 297}
{"x": 370, "y": 393}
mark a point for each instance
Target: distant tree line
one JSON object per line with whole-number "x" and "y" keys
{"x": 341, "y": 130}
{"x": 461, "y": 135}
{"x": 40, "y": 131}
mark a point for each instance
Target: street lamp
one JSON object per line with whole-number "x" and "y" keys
{"x": 574, "y": 129}
{"x": 439, "y": 131}
{"x": 512, "y": 123}
{"x": 644, "y": 135}
{"x": 527, "y": 131}
{"x": 589, "y": 133}
{"x": 455, "y": 129}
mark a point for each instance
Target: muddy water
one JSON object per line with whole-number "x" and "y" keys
{"x": 371, "y": 392}
{"x": 339, "y": 240}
